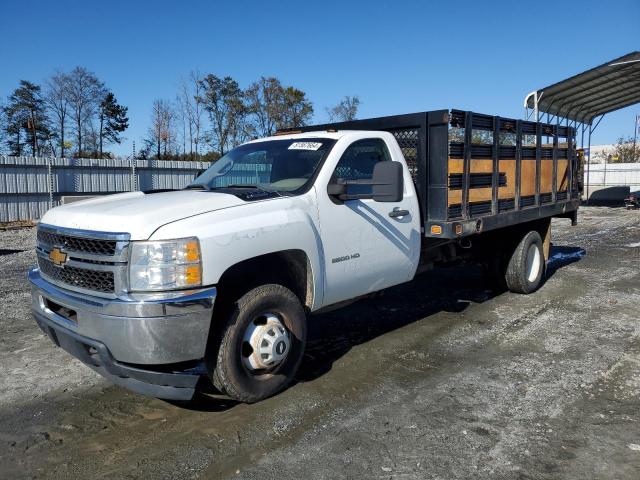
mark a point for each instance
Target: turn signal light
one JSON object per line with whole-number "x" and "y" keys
{"x": 193, "y": 275}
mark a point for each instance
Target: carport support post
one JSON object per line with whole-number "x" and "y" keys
{"x": 592, "y": 129}
{"x": 588, "y": 162}
{"x": 635, "y": 138}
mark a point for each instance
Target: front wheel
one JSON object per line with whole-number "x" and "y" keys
{"x": 261, "y": 345}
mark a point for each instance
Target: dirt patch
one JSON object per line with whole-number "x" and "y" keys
{"x": 439, "y": 378}
{"x": 17, "y": 225}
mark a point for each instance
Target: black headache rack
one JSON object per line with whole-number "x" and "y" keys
{"x": 475, "y": 172}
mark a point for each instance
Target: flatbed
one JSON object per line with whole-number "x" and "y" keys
{"x": 474, "y": 173}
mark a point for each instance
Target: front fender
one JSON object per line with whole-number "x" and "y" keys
{"x": 238, "y": 233}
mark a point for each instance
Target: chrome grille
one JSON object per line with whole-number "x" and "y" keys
{"x": 91, "y": 261}
{"x": 78, "y": 244}
{"x": 99, "y": 281}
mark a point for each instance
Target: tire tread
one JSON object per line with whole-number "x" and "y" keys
{"x": 515, "y": 274}
{"x": 219, "y": 375}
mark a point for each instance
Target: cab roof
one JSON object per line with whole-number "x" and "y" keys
{"x": 335, "y": 135}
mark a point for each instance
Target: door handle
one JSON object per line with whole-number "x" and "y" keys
{"x": 396, "y": 212}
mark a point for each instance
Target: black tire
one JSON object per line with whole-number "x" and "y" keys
{"x": 524, "y": 273}
{"x": 229, "y": 374}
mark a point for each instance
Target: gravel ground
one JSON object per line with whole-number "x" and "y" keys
{"x": 24, "y": 350}
{"x": 438, "y": 379}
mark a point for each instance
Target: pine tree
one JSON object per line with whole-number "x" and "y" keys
{"x": 27, "y": 121}
{"x": 113, "y": 121}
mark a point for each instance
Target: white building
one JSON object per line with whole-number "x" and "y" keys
{"x": 600, "y": 152}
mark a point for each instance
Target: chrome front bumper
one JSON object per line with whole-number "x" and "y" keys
{"x": 148, "y": 329}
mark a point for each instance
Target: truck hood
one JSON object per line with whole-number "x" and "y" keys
{"x": 137, "y": 213}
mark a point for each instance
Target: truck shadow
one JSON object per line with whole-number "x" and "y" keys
{"x": 561, "y": 256}
{"x": 331, "y": 335}
{"x": 9, "y": 251}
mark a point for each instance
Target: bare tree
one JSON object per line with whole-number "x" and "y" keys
{"x": 185, "y": 105}
{"x": 3, "y": 127}
{"x": 345, "y": 111}
{"x": 197, "y": 109}
{"x": 57, "y": 101}
{"x": 90, "y": 139}
{"x": 190, "y": 103}
{"x": 84, "y": 93}
{"x": 161, "y": 136}
{"x": 234, "y": 115}
{"x": 183, "y": 113}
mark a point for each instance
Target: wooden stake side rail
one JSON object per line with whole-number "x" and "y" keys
{"x": 476, "y": 172}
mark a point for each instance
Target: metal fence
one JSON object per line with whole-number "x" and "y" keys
{"x": 614, "y": 174}
{"x": 29, "y": 186}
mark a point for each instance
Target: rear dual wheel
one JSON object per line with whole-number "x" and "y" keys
{"x": 520, "y": 269}
{"x": 526, "y": 267}
{"x": 261, "y": 345}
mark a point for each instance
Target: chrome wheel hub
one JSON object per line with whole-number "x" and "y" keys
{"x": 534, "y": 263}
{"x": 266, "y": 343}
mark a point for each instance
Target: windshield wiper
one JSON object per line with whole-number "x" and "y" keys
{"x": 197, "y": 186}
{"x": 248, "y": 186}
{"x": 241, "y": 185}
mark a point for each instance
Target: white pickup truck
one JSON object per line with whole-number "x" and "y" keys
{"x": 158, "y": 291}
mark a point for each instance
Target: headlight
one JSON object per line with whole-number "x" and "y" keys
{"x": 165, "y": 265}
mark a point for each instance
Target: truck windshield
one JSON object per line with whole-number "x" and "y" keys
{"x": 284, "y": 166}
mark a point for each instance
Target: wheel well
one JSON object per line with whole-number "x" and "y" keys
{"x": 289, "y": 268}
{"x": 505, "y": 240}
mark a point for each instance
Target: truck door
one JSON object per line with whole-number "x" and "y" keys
{"x": 368, "y": 245}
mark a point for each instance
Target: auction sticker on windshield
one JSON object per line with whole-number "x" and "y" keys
{"x": 305, "y": 145}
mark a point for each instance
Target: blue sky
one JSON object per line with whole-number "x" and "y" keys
{"x": 398, "y": 57}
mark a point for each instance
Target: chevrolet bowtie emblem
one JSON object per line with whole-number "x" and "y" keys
{"x": 57, "y": 256}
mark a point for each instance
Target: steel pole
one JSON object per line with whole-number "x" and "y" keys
{"x": 133, "y": 169}
{"x": 588, "y": 162}
{"x": 635, "y": 138}
{"x": 50, "y": 178}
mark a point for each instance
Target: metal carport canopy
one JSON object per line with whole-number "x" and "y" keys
{"x": 583, "y": 97}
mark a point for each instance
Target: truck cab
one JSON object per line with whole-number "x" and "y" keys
{"x": 139, "y": 285}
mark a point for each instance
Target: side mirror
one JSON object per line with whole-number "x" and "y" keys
{"x": 387, "y": 184}
{"x": 337, "y": 189}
